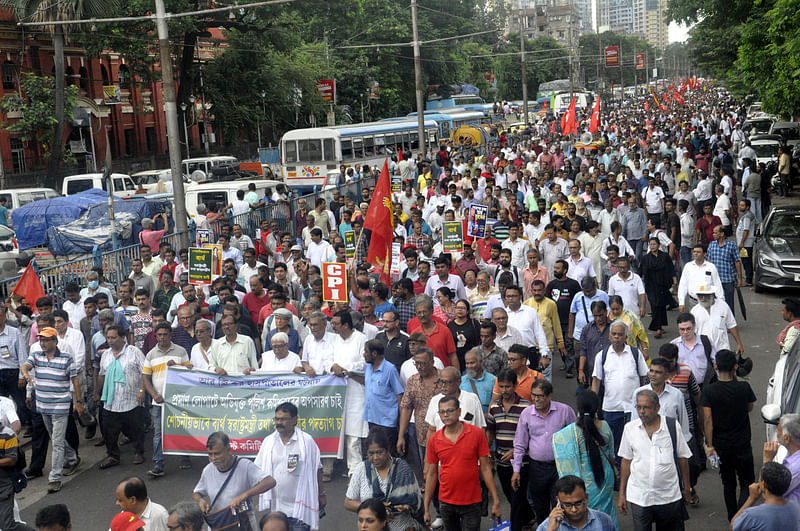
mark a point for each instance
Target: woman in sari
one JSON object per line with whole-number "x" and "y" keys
{"x": 637, "y": 337}
{"x": 387, "y": 479}
{"x": 585, "y": 449}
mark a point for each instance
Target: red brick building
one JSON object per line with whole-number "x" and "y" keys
{"x": 134, "y": 128}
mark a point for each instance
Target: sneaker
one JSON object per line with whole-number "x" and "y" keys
{"x": 438, "y": 523}
{"x": 53, "y": 486}
{"x": 32, "y": 474}
{"x": 70, "y": 469}
{"x": 91, "y": 431}
{"x": 157, "y": 471}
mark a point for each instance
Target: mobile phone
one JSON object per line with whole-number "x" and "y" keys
{"x": 558, "y": 504}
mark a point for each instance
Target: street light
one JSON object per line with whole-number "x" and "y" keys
{"x": 185, "y": 130}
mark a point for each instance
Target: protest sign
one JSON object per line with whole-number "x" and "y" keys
{"x": 350, "y": 244}
{"x": 334, "y": 282}
{"x": 200, "y": 266}
{"x": 452, "y": 237}
{"x": 476, "y": 221}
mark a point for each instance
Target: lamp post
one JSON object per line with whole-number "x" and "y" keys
{"x": 185, "y": 130}
{"x": 98, "y": 102}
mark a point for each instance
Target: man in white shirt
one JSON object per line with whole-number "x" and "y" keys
{"x": 471, "y": 408}
{"x": 649, "y": 482}
{"x": 608, "y": 216}
{"x": 280, "y": 359}
{"x": 132, "y": 497}
{"x": 722, "y": 208}
{"x": 579, "y": 265}
{"x": 526, "y": 320}
{"x": 670, "y": 398}
{"x": 714, "y": 319}
{"x": 696, "y": 273}
{"x": 292, "y": 458}
{"x": 653, "y": 197}
{"x": 629, "y": 286}
{"x": 518, "y": 247}
{"x": 318, "y": 347}
{"x": 74, "y": 305}
{"x": 319, "y": 250}
{"x": 444, "y": 278}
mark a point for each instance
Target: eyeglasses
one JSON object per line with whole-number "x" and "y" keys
{"x": 537, "y": 396}
{"x": 174, "y": 527}
{"x": 443, "y": 381}
{"x": 570, "y": 506}
{"x": 447, "y": 411}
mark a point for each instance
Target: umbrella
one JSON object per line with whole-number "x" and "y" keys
{"x": 741, "y": 302}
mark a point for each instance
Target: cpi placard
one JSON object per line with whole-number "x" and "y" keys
{"x": 334, "y": 282}
{"x": 200, "y": 266}
{"x": 612, "y": 56}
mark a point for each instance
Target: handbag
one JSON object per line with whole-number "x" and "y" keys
{"x": 613, "y": 467}
{"x": 500, "y": 525}
{"x": 225, "y": 518}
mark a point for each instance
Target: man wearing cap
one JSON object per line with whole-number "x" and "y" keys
{"x": 150, "y": 237}
{"x": 715, "y": 319}
{"x": 695, "y": 273}
{"x": 55, "y": 371}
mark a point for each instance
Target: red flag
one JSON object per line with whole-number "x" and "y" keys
{"x": 553, "y": 128}
{"x": 564, "y": 122}
{"x": 569, "y": 117}
{"x": 399, "y": 155}
{"x": 29, "y": 286}
{"x": 646, "y": 106}
{"x": 595, "y": 123}
{"x": 676, "y": 96}
{"x": 379, "y": 220}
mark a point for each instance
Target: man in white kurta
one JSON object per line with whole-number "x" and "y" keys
{"x": 348, "y": 360}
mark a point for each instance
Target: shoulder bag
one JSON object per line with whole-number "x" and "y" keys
{"x": 225, "y": 519}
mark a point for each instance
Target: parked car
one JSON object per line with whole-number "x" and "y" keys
{"x": 8, "y": 253}
{"x": 776, "y": 253}
{"x": 766, "y": 147}
{"x": 122, "y": 183}
{"x": 789, "y": 131}
{"x": 783, "y": 394}
{"x": 17, "y": 197}
{"x": 759, "y": 125}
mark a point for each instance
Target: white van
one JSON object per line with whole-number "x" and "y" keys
{"x": 122, "y": 183}
{"x": 199, "y": 168}
{"x": 222, "y": 193}
{"x": 17, "y": 197}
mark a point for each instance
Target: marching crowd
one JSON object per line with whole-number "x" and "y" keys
{"x": 450, "y": 365}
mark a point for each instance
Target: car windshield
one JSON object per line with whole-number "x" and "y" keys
{"x": 766, "y": 150}
{"x": 789, "y": 133}
{"x": 784, "y": 225}
{"x": 760, "y": 126}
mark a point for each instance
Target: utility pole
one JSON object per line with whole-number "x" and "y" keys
{"x": 523, "y": 25}
{"x": 173, "y": 136}
{"x": 418, "y": 83}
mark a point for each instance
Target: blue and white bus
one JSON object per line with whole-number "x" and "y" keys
{"x": 309, "y": 156}
{"x": 450, "y": 120}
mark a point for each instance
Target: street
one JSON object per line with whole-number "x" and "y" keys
{"x": 89, "y": 494}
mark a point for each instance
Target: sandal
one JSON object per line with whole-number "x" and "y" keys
{"x": 108, "y": 463}
{"x": 693, "y": 499}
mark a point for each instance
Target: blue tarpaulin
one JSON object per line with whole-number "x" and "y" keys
{"x": 94, "y": 228}
{"x": 32, "y": 221}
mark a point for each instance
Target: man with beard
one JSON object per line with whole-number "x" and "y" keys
{"x": 476, "y": 379}
{"x": 715, "y": 320}
{"x": 562, "y": 290}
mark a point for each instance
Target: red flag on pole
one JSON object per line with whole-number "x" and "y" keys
{"x": 646, "y": 106}
{"x": 29, "y": 286}
{"x": 379, "y": 220}
{"x": 569, "y": 117}
{"x": 594, "y": 125}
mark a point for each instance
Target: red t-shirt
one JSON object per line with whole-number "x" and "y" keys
{"x": 254, "y": 303}
{"x": 459, "y": 476}
{"x": 440, "y": 341}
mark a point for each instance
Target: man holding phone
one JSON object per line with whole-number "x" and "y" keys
{"x": 572, "y": 509}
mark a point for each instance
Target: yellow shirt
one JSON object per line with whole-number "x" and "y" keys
{"x": 548, "y": 315}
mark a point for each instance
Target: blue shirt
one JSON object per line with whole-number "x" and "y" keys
{"x": 582, "y": 308}
{"x": 381, "y": 387}
{"x": 3, "y": 216}
{"x": 380, "y": 309}
{"x": 768, "y": 517}
{"x": 725, "y": 258}
{"x": 484, "y": 385}
{"x": 598, "y": 521}
{"x": 13, "y": 351}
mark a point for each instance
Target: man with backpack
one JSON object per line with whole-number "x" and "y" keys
{"x": 694, "y": 350}
{"x": 618, "y": 371}
{"x": 653, "y": 441}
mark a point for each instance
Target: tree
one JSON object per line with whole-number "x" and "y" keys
{"x": 37, "y": 108}
{"x": 51, "y": 11}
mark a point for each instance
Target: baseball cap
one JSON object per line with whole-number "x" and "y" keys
{"x": 126, "y": 521}
{"x": 48, "y": 331}
{"x": 296, "y": 247}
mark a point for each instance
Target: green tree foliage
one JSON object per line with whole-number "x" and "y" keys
{"x": 37, "y": 108}
{"x": 592, "y": 59}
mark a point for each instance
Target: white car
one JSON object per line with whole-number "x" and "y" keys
{"x": 783, "y": 393}
{"x": 766, "y": 147}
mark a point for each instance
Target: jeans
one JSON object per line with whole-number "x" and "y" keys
{"x": 521, "y": 512}
{"x": 570, "y": 346}
{"x": 542, "y": 476}
{"x": 461, "y": 517}
{"x": 616, "y": 421}
{"x": 158, "y": 450}
{"x": 7, "y": 522}
{"x": 9, "y": 380}
{"x": 667, "y": 517}
{"x": 57, "y": 428}
{"x": 686, "y": 256}
{"x": 733, "y": 464}
{"x": 755, "y": 206}
{"x": 747, "y": 265}
{"x": 41, "y": 438}
{"x": 729, "y": 289}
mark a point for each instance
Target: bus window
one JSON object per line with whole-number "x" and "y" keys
{"x": 289, "y": 151}
{"x": 358, "y": 148}
{"x": 414, "y": 140}
{"x": 347, "y": 150}
{"x": 310, "y": 150}
{"x": 329, "y": 153}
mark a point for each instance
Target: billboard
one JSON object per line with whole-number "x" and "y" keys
{"x": 612, "y": 56}
{"x": 640, "y": 61}
{"x": 326, "y": 88}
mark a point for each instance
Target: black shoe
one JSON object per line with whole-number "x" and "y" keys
{"x": 33, "y": 474}
{"x": 570, "y": 374}
{"x": 91, "y": 431}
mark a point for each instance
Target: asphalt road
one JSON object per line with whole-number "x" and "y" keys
{"x": 90, "y": 492}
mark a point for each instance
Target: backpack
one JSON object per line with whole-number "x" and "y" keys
{"x": 635, "y": 352}
{"x": 711, "y": 374}
{"x": 673, "y": 435}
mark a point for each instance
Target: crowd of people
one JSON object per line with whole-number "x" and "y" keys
{"x": 449, "y": 367}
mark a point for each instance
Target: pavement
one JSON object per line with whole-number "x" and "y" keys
{"x": 89, "y": 493}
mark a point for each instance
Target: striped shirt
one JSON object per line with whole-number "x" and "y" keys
{"x": 155, "y": 364}
{"x": 504, "y": 424}
{"x": 53, "y": 376}
{"x": 685, "y": 381}
{"x": 9, "y": 449}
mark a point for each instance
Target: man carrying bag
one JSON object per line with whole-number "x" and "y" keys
{"x": 229, "y": 482}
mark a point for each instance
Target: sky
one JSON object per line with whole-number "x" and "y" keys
{"x": 678, "y": 33}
